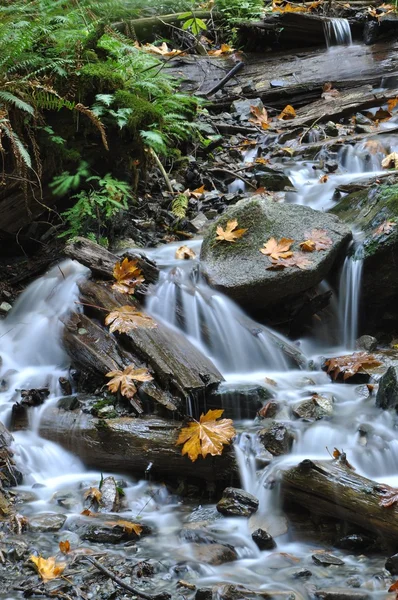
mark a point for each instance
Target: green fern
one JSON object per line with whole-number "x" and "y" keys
{"x": 179, "y": 206}
{"x": 9, "y": 98}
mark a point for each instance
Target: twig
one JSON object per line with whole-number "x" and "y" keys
{"x": 225, "y": 80}
{"x": 162, "y": 170}
{"x": 309, "y": 128}
{"x": 214, "y": 169}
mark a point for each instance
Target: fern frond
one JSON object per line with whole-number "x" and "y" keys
{"x": 179, "y": 206}
{"x": 9, "y": 98}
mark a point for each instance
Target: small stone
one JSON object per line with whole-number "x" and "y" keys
{"x": 237, "y": 503}
{"x": 355, "y": 542}
{"x": 199, "y": 222}
{"x": 211, "y": 554}
{"x": 302, "y": 573}
{"x": 331, "y": 129}
{"x": 366, "y": 342}
{"x": 331, "y": 166}
{"x": 203, "y": 594}
{"x": 263, "y": 540}
{"x": 392, "y": 564}
{"x": 5, "y": 307}
{"x": 110, "y": 499}
{"x": 277, "y": 83}
{"x": 342, "y": 594}
{"x": 277, "y": 439}
{"x": 242, "y": 108}
{"x": 387, "y": 394}
{"x": 326, "y": 560}
{"x": 317, "y": 407}
{"x": 46, "y": 522}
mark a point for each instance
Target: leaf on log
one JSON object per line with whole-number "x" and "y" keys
{"x": 230, "y": 234}
{"x": 162, "y": 50}
{"x": 128, "y": 275}
{"x": 47, "y": 568}
{"x": 350, "y": 364}
{"x": 127, "y": 526}
{"x": 277, "y": 250}
{"x": 287, "y": 113}
{"x": 206, "y": 436}
{"x": 126, "y": 318}
{"x": 260, "y": 117}
{"x": 185, "y": 253}
{"x": 390, "y": 161}
{"x": 124, "y": 380}
{"x": 385, "y": 228}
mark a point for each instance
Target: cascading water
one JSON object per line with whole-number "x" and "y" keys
{"x": 337, "y": 32}
{"x": 349, "y": 296}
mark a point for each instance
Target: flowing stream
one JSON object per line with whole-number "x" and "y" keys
{"x": 246, "y": 353}
{"x": 337, "y": 32}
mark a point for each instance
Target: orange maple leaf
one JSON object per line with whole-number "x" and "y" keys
{"x": 287, "y": 113}
{"x": 47, "y": 568}
{"x": 126, "y": 318}
{"x": 320, "y": 239}
{"x": 124, "y": 380}
{"x": 64, "y": 547}
{"x": 127, "y": 526}
{"x": 206, "y": 436}
{"x": 185, "y": 253}
{"x": 277, "y": 250}
{"x": 230, "y": 234}
{"x": 128, "y": 275}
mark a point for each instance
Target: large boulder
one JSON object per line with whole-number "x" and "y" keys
{"x": 240, "y": 270}
{"x": 387, "y": 394}
{"x": 375, "y": 211}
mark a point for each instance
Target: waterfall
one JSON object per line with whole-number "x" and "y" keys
{"x": 337, "y": 32}
{"x": 349, "y": 296}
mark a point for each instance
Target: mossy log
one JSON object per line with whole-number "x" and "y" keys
{"x": 146, "y": 28}
{"x": 142, "y": 447}
{"x": 332, "y": 489}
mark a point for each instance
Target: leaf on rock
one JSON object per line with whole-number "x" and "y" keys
{"x": 320, "y": 238}
{"x": 308, "y": 246}
{"x": 230, "y": 234}
{"x": 124, "y": 380}
{"x": 127, "y": 526}
{"x": 128, "y": 275}
{"x": 87, "y": 513}
{"x": 93, "y": 494}
{"x": 385, "y": 228}
{"x": 390, "y": 161}
{"x": 126, "y": 318}
{"x": 391, "y": 104}
{"x": 350, "y": 364}
{"x": 185, "y": 253}
{"x": 287, "y": 113}
{"x": 47, "y": 568}
{"x": 162, "y": 50}
{"x": 225, "y": 49}
{"x": 260, "y": 117}
{"x": 277, "y": 250}
{"x": 198, "y": 192}
{"x": 298, "y": 259}
{"x": 206, "y": 436}
{"x": 323, "y": 178}
{"x": 64, "y": 547}
{"x": 381, "y": 115}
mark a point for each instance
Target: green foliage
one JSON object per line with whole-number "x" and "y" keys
{"x": 237, "y": 10}
{"x": 66, "y": 182}
{"x": 95, "y": 207}
{"x": 179, "y": 206}
{"x": 193, "y": 23}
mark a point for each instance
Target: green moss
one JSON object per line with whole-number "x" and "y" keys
{"x": 143, "y": 112}
{"x": 101, "y": 77}
{"x": 102, "y": 404}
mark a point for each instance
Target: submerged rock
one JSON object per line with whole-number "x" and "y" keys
{"x": 237, "y": 503}
{"x": 317, "y": 407}
{"x": 241, "y": 271}
{"x": 276, "y": 438}
{"x": 392, "y": 564}
{"x": 239, "y": 401}
{"x": 342, "y": 594}
{"x": 211, "y": 554}
{"x": 366, "y": 342}
{"x": 387, "y": 394}
{"x": 46, "y": 522}
{"x": 326, "y": 560}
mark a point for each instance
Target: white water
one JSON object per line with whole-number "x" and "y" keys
{"x": 349, "y": 296}
{"x": 337, "y": 32}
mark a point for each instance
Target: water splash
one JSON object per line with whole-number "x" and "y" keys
{"x": 349, "y": 296}
{"x": 337, "y": 32}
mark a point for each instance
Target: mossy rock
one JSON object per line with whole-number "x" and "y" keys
{"x": 100, "y": 77}
{"x": 143, "y": 112}
{"x": 240, "y": 270}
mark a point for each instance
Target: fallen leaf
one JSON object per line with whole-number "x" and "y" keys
{"x": 93, "y": 494}
{"x": 262, "y": 161}
{"x": 64, "y": 547}
{"x": 390, "y": 498}
{"x": 128, "y": 275}
{"x": 298, "y": 259}
{"x": 206, "y": 436}
{"x": 128, "y": 526}
{"x": 124, "y": 380}
{"x": 47, "y": 568}
{"x": 198, "y": 192}
{"x": 390, "y": 161}
{"x": 370, "y": 387}
{"x": 280, "y": 6}
{"x": 336, "y": 453}
{"x": 385, "y": 228}
{"x": 261, "y": 190}
{"x": 323, "y": 178}
{"x": 260, "y": 117}
{"x": 277, "y": 250}
{"x": 374, "y": 147}
{"x": 88, "y": 513}
{"x": 163, "y": 50}
{"x": 126, "y": 318}
{"x": 381, "y": 115}
{"x": 264, "y": 410}
{"x": 393, "y": 587}
{"x": 327, "y": 86}
{"x": 230, "y": 234}
{"x": 308, "y": 246}
{"x": 185, "y": 253}
{"x": 329, "y": 92}
{"x": 350, "y": 364}
{"x": 287, "y": 113}
{"x": 270, "y": 381}
{"x": 391, "y": 104}
{"x": 224, "y": 49}
{"x": 320, "y": 238}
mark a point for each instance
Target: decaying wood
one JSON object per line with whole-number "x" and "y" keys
{"x": 141, "y": 446}
{"x": 331, "y": 488}
{"x": 145, "y": 28}
{"x": 101, "y": 262}
{"x": 238, "y": 67}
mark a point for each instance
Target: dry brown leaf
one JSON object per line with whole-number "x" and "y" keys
{"x": 390, "y": 161}
{"x": 381, "y": 115}
{"x": 393, "y": 587}
{"x": 261, "y": 190}
{"x": 162, "y": 50}
{"x": 230, "y": 234}
{"x": 198, "y": 192}
{"x": 93, "y": 494}
{"x": 323, "y": 178}
{"x": 270, "y": 381}
{"x": 336, "y": 453}
{"x": 127, "y": 526}
{"x": 124, "y": 380}
{"x": 47, "y": 568}
{"x": 128, "y": 275}
{"x": 262, "y": 161}
{"x": 87, "y": 513}
{"x": 287, "y": 113}
{"x": 286, "y": 7}
{"x": 329, "y": 92}
{"x": 277, "y": 250}
{"x": 126, "y": 318}
{"x": 64, "y": 547}
{"x": 391, "y": 104}
{"x": 385, "y": 228}
{"x": 185, "y": 253}
{"x": 206, "y": 436}
{"x": 320, "y": 238}
{"x": 351, "y": 364}
{"x": 298, "y": 259}
{"x": 308, "y": 246}
{"x": 260, "y": 117}
{"x": 374, "y": 147}
{"x": 225, "y": 49}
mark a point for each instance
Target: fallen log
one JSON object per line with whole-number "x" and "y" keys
{"x": 330, "y": 488}
{"x": 146, "y": 28}
{"x": 141, "y": 447}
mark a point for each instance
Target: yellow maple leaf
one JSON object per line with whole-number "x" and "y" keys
{"x": 390, "y": 161}
{"x": 47, "y": 568}
{"x": 287, "y": 113}
{"x": 276, "y": 249}
{"x": 128, "y": 526}
{"x": 128, "y": 275}
{"x": 230, "y": 234}
{"x": 206, "y": 436}
{"x": 93, "y": 494}
{"x": 126, "y": 318}
{"x": 185, "y": 253}
{"x": 163, "y": 50}
{"x": 308, "y": 246}
{"x": 124, "y": 380}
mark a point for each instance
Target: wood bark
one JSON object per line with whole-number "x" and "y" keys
{"x": 142, "y": 447}
{"x": 144, "y": 28}
{"x": 330, "y": 488}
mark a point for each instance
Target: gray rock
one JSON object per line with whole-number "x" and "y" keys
{"x": 242, "y": 108}
{"x": 366, "y": 342}
{"x": 240, "y": 270}
{"x": 103, "y": 529}
{"x": 317, "y": 407}
{"x": 355, "y": 542}
{"x": 331, "y": 129}
{"x": 199, "y": 223}
{"x": 5, "y": 307}
{"x": 203, "y": 594}
{"x": 302, "y": 573}
{"x": 326, "y": 560}
{"x": 272, "y": 178}
{"x": 239, "y": 401}
{"x": 276, "y": 438}
{"x": 110, "y": 498}
{"x": 202, "y": 516}
{"x": 237, "y": 503}
{"x": 46, "y": 522}
{"x": 342, "y": 594}
{"x": 211, "y": 554}
{"x": 392, "y": 564}
{"x": 263, "y": 539}
{"x": 387, "y": 394}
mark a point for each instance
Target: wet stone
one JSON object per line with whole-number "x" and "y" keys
{"x": 237, "y": 503}
{"x": 355, "y": 542}
{"x": 110, "y": 499}
{"x": 317, "y": 407}
{"x": 302, "y": 574}
{"x": 276, "y": 438}
{"x": 263, "y": 540}
{"x": 204, "y": 516}
{"x": 203, "y": 594}
{"x": 242, "y": 108}
{"x": 367, "y": 343}
{"x": 387, "y": 394}
{"x": 211, "y": 554}
{"x": 46, "y": 522}
{"x": 342, "y": 594}
{"x": 239, "y": 401}
{"x": 326, "y": 560}
{"x": 392, "y": 564}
